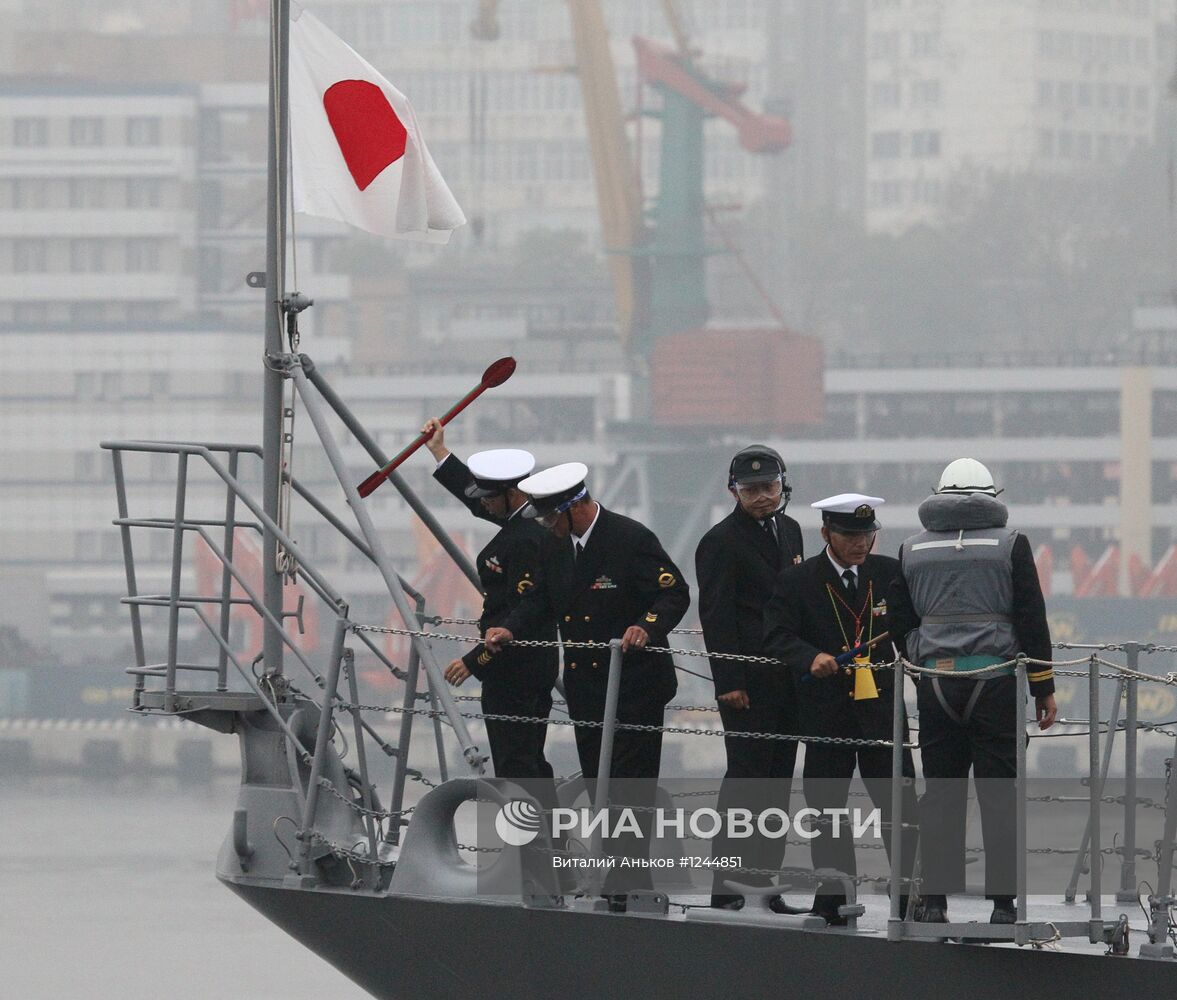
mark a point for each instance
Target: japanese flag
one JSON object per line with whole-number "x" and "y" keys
{"x": 357, "y": 154}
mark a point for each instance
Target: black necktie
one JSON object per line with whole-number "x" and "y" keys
{"x": 850, "y": 581}
{"x": 577, "y": 551}
{"x": 770, "y": 529}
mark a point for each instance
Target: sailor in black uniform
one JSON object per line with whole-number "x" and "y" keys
{"x": 736, "y": 564}
{"x": 829, "y": 604}
{"x": 515, "y": 681}
{"x": 604, "y": 576}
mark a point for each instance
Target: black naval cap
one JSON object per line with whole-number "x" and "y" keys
{"x": 757, "y": 463}
{"x": 849, "y": 513}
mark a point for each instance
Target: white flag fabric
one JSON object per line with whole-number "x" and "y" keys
{"x": 357, "y": 154}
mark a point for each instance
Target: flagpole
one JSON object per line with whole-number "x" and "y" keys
{"x": 272, "y": 395}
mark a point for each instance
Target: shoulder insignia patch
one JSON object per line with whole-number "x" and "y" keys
{"x": 666, "y": 580}
{"x": 484, "y": 658}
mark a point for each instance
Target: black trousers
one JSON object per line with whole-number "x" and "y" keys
{"x": 759, "y": 776}
{"x": 637, "y": 758}
{"x": 517, "y": 748}
{"x": 953, "y": 742}
{"x": 829, "y": 770}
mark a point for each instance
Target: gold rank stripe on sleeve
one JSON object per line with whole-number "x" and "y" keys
{"x": 1040, "y": 675}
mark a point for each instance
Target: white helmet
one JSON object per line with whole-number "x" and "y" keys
{"x": 966, "y": 475}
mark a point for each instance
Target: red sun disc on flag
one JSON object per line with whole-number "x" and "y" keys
{"x": 369, "y": 133}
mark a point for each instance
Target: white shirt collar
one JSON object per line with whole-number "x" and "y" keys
{"x": 583, "y": 539}
{"x": 841, "y": 569}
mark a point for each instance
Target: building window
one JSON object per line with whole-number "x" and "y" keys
{"x": 886, "y": 194}
{"x": 28, "y": 256}
{"x": 884, "y": 45}
{"x": 144, "y": 312}
{"x": 31, "y": 312}
{"x": 925, "y": 143}
{"x": 87, "y": 192}
{"x": 30, "y": 132}
{"x": 885, "y": 145}
{"x": 925, "y": 93}
{"x": 143, "y": 254}
{"x": 144, "y": 192}
{"x": 926, "y": 191}
{"x": 85, "y": 131}
{"x": 925, "y": 43}
{"x": 884, "y": 94}
{"x": 87, "y": 256}
{"x": 29, "y": 193}
{"x": 144, "y": 131}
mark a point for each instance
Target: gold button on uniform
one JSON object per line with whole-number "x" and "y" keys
{"x": 568, "y": 618}
{"x": 587, "y": 618}
{"x": 571, "y": 666}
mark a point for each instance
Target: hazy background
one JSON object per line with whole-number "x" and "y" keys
{"x": 966, "y": 246}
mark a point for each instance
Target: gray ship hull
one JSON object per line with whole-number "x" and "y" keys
{"x": 406, "y": 948}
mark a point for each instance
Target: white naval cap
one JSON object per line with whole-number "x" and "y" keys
{"x": 554, "y": 490}
{"x": 849, "y": 512}
{"x": 495, "y": 470}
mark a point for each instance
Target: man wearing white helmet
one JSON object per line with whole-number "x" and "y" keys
{"x": 968, "y": 597}
{"x": 514, "y": 681}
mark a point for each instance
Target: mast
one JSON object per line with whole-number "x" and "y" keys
{"x": 272, "y": 395}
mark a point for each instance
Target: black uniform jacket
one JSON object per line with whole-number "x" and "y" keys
{"x": 623, "y": 578}
{"x": 506, "y": 568}
{"x": 800, "y": 622}
{"x": 736, "y": 564}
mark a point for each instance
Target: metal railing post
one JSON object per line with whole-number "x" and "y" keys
{"x": 1081, "y": 857}
{"x": 1021, "y": 929}
{"x": 120, "y": 488}
{"x": 1127, "y": 893}
{"x": 1096, "y": 857}
{"x": 226, "y": 576}
{"x": 362, "y": 763}
{"x": 406, "y": 734}
{"x": 605, "y": 761}
{"x": 895, "y": 922}
{"x": 326, "y": 711}
{"x": 177, "y": 573}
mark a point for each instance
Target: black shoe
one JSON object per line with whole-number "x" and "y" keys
{"x": 933, "y": 910}
{"x": 1004, "y": 911}
{"x": 778, "y": 905}
{"x": 722, "y": 901}
{"x": 617, "y": 902}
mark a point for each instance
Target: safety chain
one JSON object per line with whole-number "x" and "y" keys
{"x": 630, "y": 726}
{"x": 378, "y": 814}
